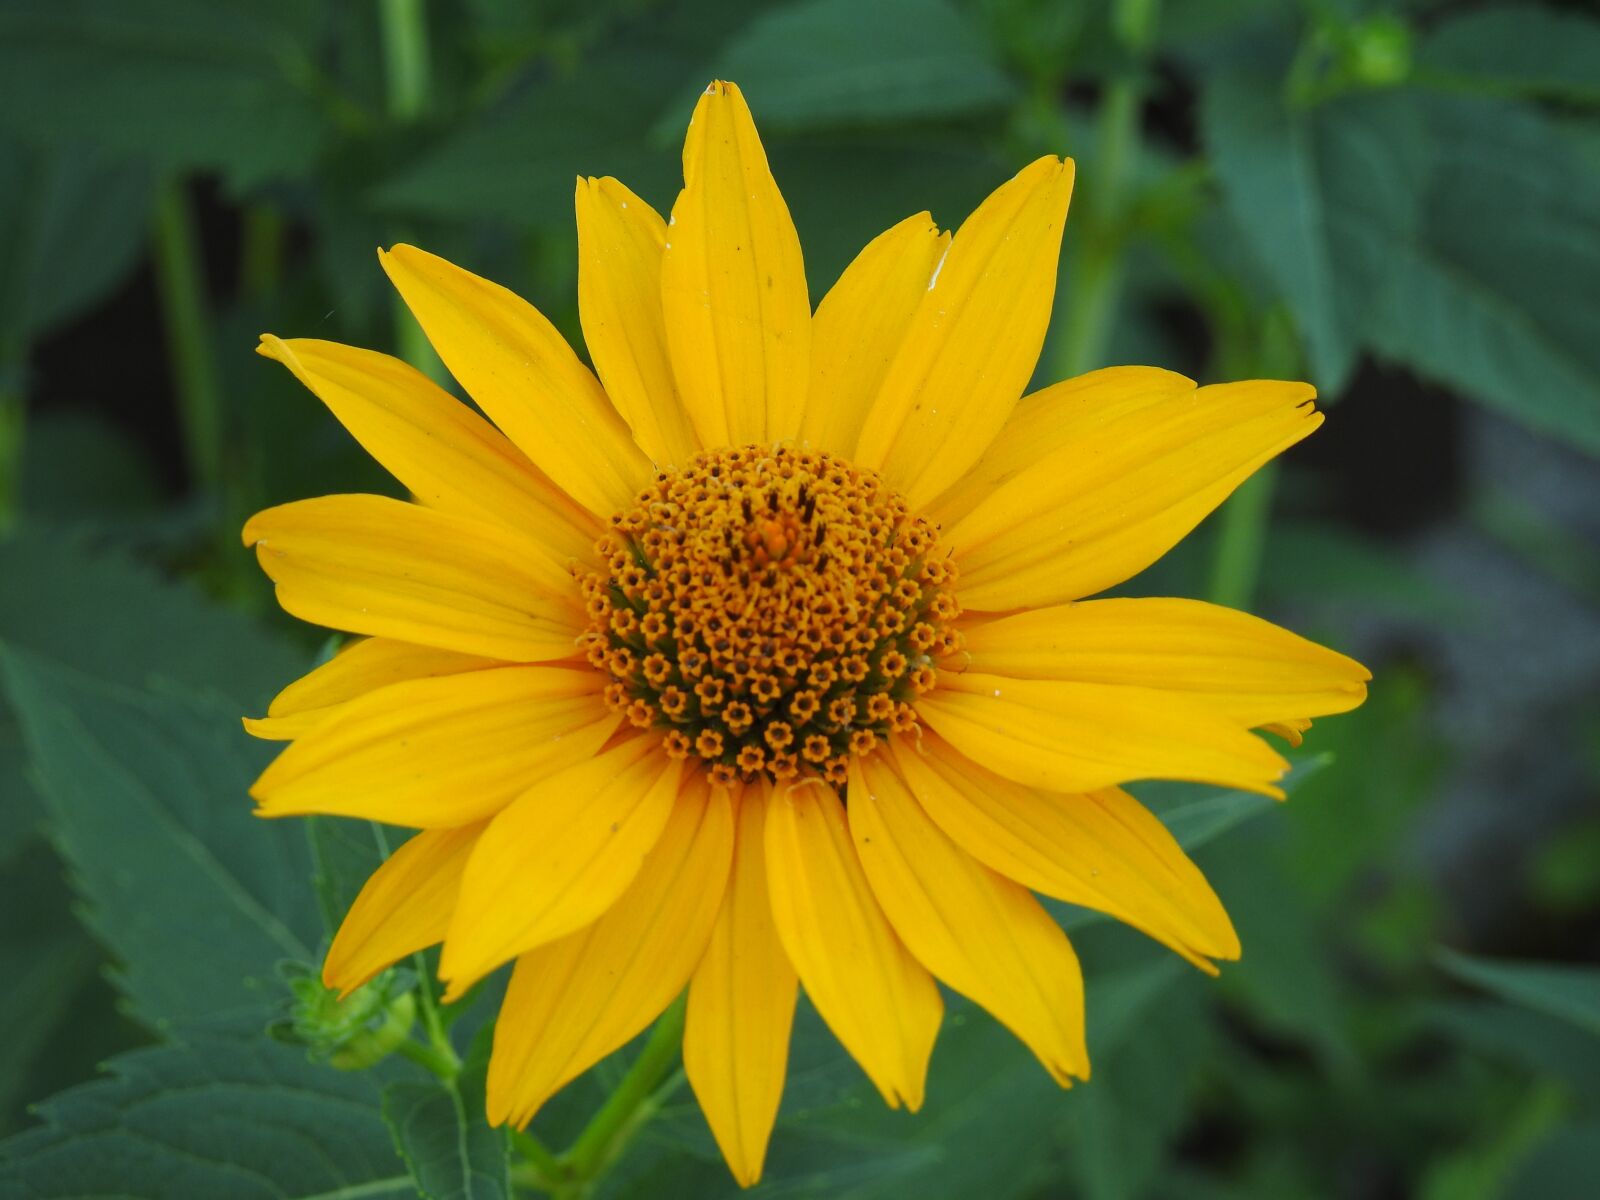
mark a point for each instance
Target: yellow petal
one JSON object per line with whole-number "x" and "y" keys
{"x": 1134, "y": 480}
{"x": 979, "y": 932}
{"x": 1292, "y": 732}
{"x": 620, "y": 243}
{"x": 859, "y": 326}
{"x": 360, "y": 667}
{"x": 1250, "y": 669}
{"x": 1102, "y": 850}
{"x": 559, "y": 856}
{"x": 447, "y": 455}
{"x": 441, "y": 751}
{"x": 970, "y": 349}
{"x": 733, "y": 284}
{"x": 522, "y": 373}
{"x": 1076, "y": 737}
{"x": 878, "y": 1000}
{"x": 1053, "y": 417}
{"x": 368, "y": 564}
{"x": 404, "y": 907}
{"x": 741, "y": 1006}
{"x": 573, "y": 1001}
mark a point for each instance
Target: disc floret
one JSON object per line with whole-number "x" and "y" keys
{"x": 773, "y": 611}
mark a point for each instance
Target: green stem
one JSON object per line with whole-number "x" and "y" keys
{"x": 628, "y": 1108}
{"x": 1095, "y": 285}
{"x": 409, "y": 78}
{"x": 261, "y": 256}
{"x": 442, "y": 1063}
{"x": 13, "y": 429}
{"x": 545, "y": 1168}
{"x": 1241, "y": 535}
{"x": 181, "y": 284}
{"x": 404, "y": 27}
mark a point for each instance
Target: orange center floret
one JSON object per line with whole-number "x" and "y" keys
{"x": 775, "y": 611}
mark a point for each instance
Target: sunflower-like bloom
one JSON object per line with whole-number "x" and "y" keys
{"x": 762, "y": 659}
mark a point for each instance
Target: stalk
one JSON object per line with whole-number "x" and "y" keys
{"x": 1095, "y": 285}
{"x": 181, "y": 284}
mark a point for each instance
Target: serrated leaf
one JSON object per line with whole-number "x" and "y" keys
{"x": 1569, "y": 993}
{"x": 1265, "y": 157}
{"x": 824, "y": 63}
{"x": 117, "y": 620}
{"x": 180, "y": 83}
{"x": 209, "y": 1118}
{"x": 1526, "y": 49}
{"x": 1508, "y": 318}
{"x": 44, "y": 959}
{"x": 446, "y": 1141}
{"x": 196, "y": 898}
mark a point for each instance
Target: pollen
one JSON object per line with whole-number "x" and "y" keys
{"x": 772, "y": 611}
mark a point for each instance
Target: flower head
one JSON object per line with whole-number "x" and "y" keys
{"x": 762, "y": 660}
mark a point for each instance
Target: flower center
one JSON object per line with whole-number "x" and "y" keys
{"x": 775, "y": 611}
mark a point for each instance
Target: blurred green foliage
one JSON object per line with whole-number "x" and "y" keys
{"x": 1399, "y": 201}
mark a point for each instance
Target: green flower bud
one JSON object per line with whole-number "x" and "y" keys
{"x": 1377, "y": 51}
{"x": 350, "y": 1033}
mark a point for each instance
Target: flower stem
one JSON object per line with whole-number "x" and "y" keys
{"x": 627, "y": 1109}
{"x": 404, "y": 28}
{"x": 1095, "y": 284}
{"x": 544, "y": 1167}
{"x": 440, "y": 1062}
{"x": 408, "y": 77}
{"x": 261, "y": 254}
{"x": 188, "y": 328}
{"x": 13, "y": 428}
{"x": 1241, "y": 534}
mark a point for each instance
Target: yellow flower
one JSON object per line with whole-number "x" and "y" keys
{"x": 762, "y": 660}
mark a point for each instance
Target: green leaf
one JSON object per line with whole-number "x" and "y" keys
{"x": 44, "y": 959}
{"x": 212, "y": 1117}
{"x": 117, "y": 620}
{"x": 1565, "y": 1164}
{"x": 344, "y": 853}
{"x": 75, "y": 223}
{"x": 184, "y": 83}
{"x": 840, "y": 62}
{"x": 1265, "y": 158}
{"x": 1545, "y": 1046}
{"x": 1491, "y": 283}
{"x": 506, "y": 163}
{"x": 1522, "y": 49}
{"x": 1570, "y": 993}
{"x": 1196, "y": 814}
{"x": 146, "y": 791}
{"x": 446, "y": 1140}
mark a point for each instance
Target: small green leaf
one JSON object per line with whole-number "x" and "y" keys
{"x": 196, "y": 897}
{"x": 209, "y": 1118}
{"x": 834, "y": 62}
{"x": 1570, "y": 993}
